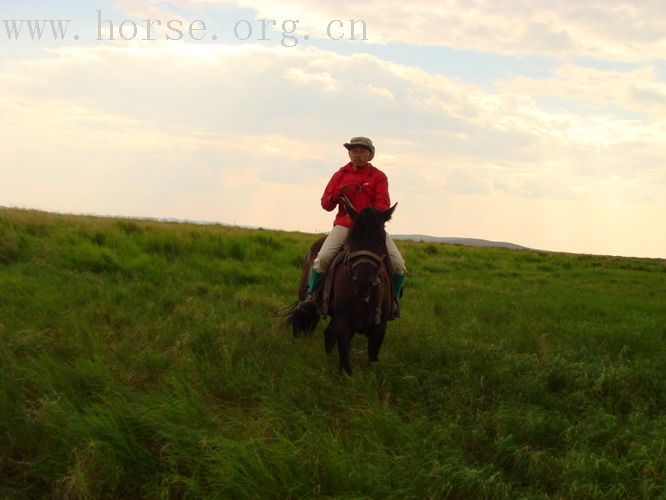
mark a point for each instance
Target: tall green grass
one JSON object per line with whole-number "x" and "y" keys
{"x": 148, "y": 359}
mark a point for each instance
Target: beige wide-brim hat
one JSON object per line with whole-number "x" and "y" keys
{"x": 361, "y": 141}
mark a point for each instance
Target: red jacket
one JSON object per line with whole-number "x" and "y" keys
{"x": 366, "y": 187}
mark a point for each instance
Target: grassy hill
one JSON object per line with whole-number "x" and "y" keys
{"x": 146, "y": 359}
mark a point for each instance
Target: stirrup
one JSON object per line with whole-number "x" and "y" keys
{"x": 308, "y": 303}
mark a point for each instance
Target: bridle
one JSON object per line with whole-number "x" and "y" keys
{"x": 353, "y": 260}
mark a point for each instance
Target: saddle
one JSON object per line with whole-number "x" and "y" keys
{"x": 326, "y": 289}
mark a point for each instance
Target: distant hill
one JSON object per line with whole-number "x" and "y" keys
{"x": 470, "y": 242}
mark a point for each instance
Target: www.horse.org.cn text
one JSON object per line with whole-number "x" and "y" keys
{"x": 257, "y": 30}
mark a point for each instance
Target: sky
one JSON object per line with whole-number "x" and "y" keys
{"x": 532, "y": 122}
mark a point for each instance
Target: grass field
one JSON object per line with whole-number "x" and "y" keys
{"x": 148, "y": 359}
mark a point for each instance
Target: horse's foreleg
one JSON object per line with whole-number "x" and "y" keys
{"x": 343, "y": 335}
{"x": 329, "y": 337}
{"x": 375, "y": 339}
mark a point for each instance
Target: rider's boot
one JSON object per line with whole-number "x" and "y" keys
{"x": 398, "y": 282}
{"x": 309, "y": 301}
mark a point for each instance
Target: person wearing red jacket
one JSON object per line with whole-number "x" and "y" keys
{"x": 364, "y": 186}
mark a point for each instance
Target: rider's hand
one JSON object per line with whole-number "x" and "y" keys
{"x": 337, "y": 196}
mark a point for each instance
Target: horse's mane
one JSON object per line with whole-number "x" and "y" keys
{"x": 368, "y": 227}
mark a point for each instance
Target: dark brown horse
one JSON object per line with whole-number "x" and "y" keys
{"x": 359, "y": 299}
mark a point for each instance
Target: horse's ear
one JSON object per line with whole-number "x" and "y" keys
{"x": 349, "y": 207}
{"x": 388, "y": 213}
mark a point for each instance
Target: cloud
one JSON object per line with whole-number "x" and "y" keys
{"x": 215, "y": 132}
{"x": 638, "y": 90}
{"x": 322, "y": 80}
{"x": 303, "y": 96}
{"x": 463, "y": 182}
{"x": 613, "y": 30}
{"x": 539, "y": 187}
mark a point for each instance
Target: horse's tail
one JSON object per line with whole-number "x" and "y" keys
{"x": 302, "y": 322}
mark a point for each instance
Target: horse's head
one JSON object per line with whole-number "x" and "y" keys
{"x": 367, "y": 248}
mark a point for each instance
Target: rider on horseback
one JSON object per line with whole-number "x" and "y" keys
{"x": 363, "y": 185}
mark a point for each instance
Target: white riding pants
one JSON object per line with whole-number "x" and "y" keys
{"x": 336, "y": 239}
